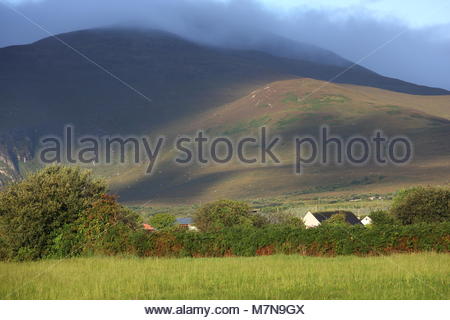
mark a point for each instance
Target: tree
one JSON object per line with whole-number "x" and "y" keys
{"x": 381, "y": 217}
{"x": 222, "y": 214}
{"x": 35, "y": 211}
{"x": 284, "y": 218}
{"x": 422, "y": 204}
{"x": 106, "y": 227}
{"x": 162, "y": 221}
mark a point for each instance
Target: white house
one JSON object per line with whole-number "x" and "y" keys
{"x": 186, "y": 223}
{"x": 312, "y": 220}
{"x": 366, "y": 221}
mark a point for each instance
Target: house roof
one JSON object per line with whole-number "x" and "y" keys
{"x": 349, "y": 216}
{"x": 185, "y": 221}
{"x": 148, "y": 227}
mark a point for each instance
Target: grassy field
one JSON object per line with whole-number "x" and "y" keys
{"x": 417, "y": 276}
{"x": 284, "y": 205}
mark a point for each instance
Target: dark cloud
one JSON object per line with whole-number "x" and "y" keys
{"x": 417, "y": 55}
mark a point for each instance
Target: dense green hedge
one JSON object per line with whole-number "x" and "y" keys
{"x": 422, "y": 204}
{"x": 277, "y": 239}
{"x": 321, "y": 241}
{"x": 64, "y": 211}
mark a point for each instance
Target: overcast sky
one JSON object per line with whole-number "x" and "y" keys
{"x": 409, "y": 40}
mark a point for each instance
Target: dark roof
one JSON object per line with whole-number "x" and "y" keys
{"x": 185, "y": 221}
{"x": 349, "y": 216}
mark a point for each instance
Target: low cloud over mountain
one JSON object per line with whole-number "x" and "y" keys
{"x": 385, "y": 46}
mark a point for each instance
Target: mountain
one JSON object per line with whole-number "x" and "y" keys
{"x": 289, "y": 109}
{"x": 16, "y": 148}
{"x": 128, "y": 81}
{"x": 280, "y": 46}
{"x": 48, "y": 84}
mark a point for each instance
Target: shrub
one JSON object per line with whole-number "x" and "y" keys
{"x": 422, "y": 204}
{"x": 337, "y": 219}
{"x": 35, "y": 211}
{"x": 142, "y": 243}
{"x": 381, "y": 217}
{"x": 222, "y": 214}
{"x": 107, "y": 227}
{"x": 284, "y": 218}
{"x": 162, "y": 221}
{"x": 327, "y": 240}
{"x": 294, "y": 222}
{"x": 3, "y": 249}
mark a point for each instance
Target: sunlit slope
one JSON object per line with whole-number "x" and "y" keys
{"x": 296, "y": 108}
{"x": 145, "y": 81}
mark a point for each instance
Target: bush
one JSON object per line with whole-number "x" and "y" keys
{"x": 420, "y": 204}
{"x": 336, "y": 219}
{"x": 3, "y": 249}
{"x": 225, "y": 214}
{"x": 36, "y": 211}
{"x": 381, "y": 217}
{"x": 284, "y": 218}
{"x": 327, "y": 240}
{"x": 294, "y": 222}
{"x": 162, "y": 221}
{"x": 107, "y": 227}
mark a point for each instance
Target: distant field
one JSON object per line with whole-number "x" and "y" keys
{"x": 417, "y": 276}
{"x": 288, "y": 204}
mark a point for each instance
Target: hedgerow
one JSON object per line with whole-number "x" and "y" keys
{"x": 322, "y": 241}
{"x": 64, "y": 212}
{"x": 422, "y": 204}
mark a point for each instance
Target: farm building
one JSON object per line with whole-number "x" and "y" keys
{"x": 148, "y": 227}
{"x": 187, "y": 223}
{"x": 312, "y": 220}
{"x": 366, "y": 221}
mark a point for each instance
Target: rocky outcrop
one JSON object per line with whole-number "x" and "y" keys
{"x": 15, "y": 149}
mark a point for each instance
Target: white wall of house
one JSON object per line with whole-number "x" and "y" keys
{"x": 192, "y": 228}
{"x": 366, "y": 221}
{"x": 310, "y": 221}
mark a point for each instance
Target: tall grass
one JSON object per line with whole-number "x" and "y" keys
{"x": 415, "y": 276}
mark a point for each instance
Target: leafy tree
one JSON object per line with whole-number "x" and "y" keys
{"x": 284, "y": 218}
{"x": 162, "y": 221}
{"x": 222, "y": 214}
{"x": 294, "y": 222}
{"x": 422, "y": 204}
{"x": 381, "y": 217}
{"x": 107, "y": 227}
{"x": 35, "y": 211}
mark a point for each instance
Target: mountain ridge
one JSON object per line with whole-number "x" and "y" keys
{"x": 46, "y": 85}
{"x": 48, "y": 78}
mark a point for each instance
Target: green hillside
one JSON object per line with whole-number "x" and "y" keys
{"x": 288, "y": 108}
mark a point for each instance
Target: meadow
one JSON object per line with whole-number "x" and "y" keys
{"x": 406, "y": 276}
{"x": 294, "y": 204}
